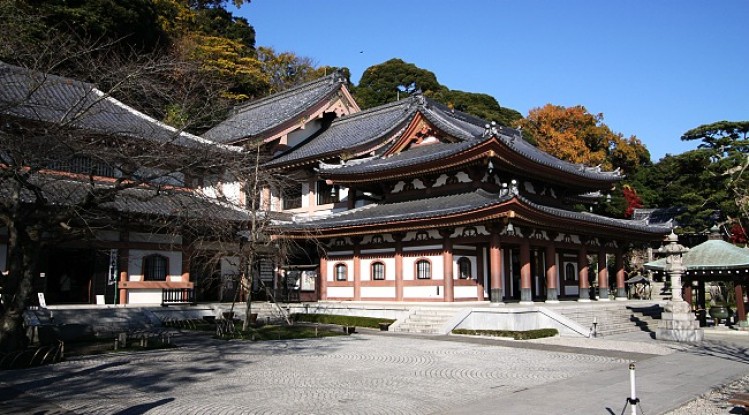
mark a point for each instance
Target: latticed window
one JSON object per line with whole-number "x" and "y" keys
{"x": 464, "y": 269}
{"x": 423, "y": 269}
{"x": 378, "y": 271}
{"x": 154, "y": 267}
{"x": 292, "y": 198}
{"x": 341, "y": 272}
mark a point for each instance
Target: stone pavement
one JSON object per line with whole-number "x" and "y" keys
{"x": 376, "y": 373}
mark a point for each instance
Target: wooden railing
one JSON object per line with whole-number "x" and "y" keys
{"x": 177, "y": 296}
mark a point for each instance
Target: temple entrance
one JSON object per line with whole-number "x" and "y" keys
{"x": 74, "y": 276}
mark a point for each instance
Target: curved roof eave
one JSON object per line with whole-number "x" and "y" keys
{"x": 464, "y": 209}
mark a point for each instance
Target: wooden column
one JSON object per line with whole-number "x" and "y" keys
{"x": 621, "y": 292}
{"x": 740, "y": 307}
{"x": 582, "y": 275}
{"x": 357, "y": 267}
{"x": 525, "y": 273}
{"x": 123, "y": 257}
{"x": 552, "y": 292}
{"x": 686, "y": 293}
{"x": 447, "y": 265}
{"x": 495, "y": 267}
{"x": 398, "y": 237}
{"x": 603, "y": 275}
{"x": 323, "y": 279}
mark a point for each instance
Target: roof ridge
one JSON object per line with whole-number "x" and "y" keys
{"x": 374, "y": 110}
{"x": 333, "y": 78}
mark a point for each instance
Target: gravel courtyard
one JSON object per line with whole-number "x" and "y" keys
{"x": 362, "y": 374}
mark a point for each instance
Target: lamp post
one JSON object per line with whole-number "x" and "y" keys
{"x": 677, "y": 321}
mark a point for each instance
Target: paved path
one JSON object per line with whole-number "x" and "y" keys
{"x": 369, "y": 373}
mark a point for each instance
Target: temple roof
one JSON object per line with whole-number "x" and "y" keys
{"x": 34, "y": 96}
{"x": 472, "y": 207}
{"x": 364, "y": 129}
{"x": 257, "y": 117}
{"x": 710, "y": 255}
{"x": 164, "y": 201}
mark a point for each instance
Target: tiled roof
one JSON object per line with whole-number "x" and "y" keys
{"x": 351, "y": 132}
{"x": 710, "y": 255}
{"x": 598, "y": 219}
{"x": 416, "y": 155}
{"x": 261, "y": 115}
{"x": 437, "y": 207}
{"x": 434, "y": 207}
{"x": 167, "y": 202}
{"x": 35, "y": 96}
{"x": 472, "y": 132}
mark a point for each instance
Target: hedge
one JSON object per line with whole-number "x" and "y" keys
{"x": 517, "y": 335}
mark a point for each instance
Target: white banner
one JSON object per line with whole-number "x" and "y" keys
{"x": 112, "y": 275}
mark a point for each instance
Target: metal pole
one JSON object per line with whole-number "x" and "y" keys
{"x": 633, "y": 397}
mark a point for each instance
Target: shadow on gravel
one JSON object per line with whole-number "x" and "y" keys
{"x": 727, "y": 351}
{"x": 143, "y": 408}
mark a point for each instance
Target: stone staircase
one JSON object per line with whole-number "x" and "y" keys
{"x": 616, "y": 318}
{"x": 425, "y": 320}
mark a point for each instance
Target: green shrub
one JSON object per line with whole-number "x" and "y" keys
{"x": 515, "y": 334}
{"x": 371, "y": 322}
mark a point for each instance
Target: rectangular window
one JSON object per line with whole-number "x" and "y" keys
{"x": 423, "y": 270}
{"x": 154, "y": 268}
{"x": 292, "y": 197}
{"x": 378, "y": 271}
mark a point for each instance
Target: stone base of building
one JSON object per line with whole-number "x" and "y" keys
{"x": 496, "y": 295}
{"x": 678, "y": 324}
{"x": 584, "y": 295}
{"x": 621, "y": 294}
{"x": 603, "y": 294}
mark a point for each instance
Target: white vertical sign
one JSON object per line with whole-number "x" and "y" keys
{"x": 112, "y": 275}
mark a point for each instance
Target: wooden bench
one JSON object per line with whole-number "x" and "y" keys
{"x": 740, "y": 399}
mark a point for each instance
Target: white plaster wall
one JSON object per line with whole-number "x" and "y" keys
{"x": 464, "y": 292}
{"x": 135, "y": 265}
{"x": 305, "y": 131}
{"x": 144, "y": 296}
{"x": 366, "y": 268}
{"x": 306, "y": 195}
{"x": 341, "y": 292}
{"x": 378, "y": 292}
{"x": 232, "y": 192}
{"x": 409, "y": 267}
{"x": 331, "y": 270}
{"x": 429, "y": 291}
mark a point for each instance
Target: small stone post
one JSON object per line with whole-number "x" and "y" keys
{"x": 677, "y": 322}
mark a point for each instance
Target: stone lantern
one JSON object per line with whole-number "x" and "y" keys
{"x": 678, "y": 323}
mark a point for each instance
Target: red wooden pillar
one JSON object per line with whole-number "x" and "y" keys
{"x": 323, "y": 280}
{"x": 123, "y": 257}
{"x": 582, "y": 275}
{"x": 447, "y": 265}
{"x": 398, "y": 237}
{"x": 495, "y": 266}
{"x": 357, "y": 268}
{"x": 621, "y": 292}
{"x": 551, "y": 275}
{"x": 525, "y": 273}
{"x": 603, "y": 276}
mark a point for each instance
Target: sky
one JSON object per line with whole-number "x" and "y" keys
{"x": 655, "y": 69}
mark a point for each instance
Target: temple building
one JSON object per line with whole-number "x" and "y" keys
{"x": 414, "y": 201}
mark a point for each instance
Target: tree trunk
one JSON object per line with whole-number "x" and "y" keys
{"x": 23, "y": 260}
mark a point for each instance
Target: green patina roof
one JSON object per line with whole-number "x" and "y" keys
{"x": 709, "y": 255}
